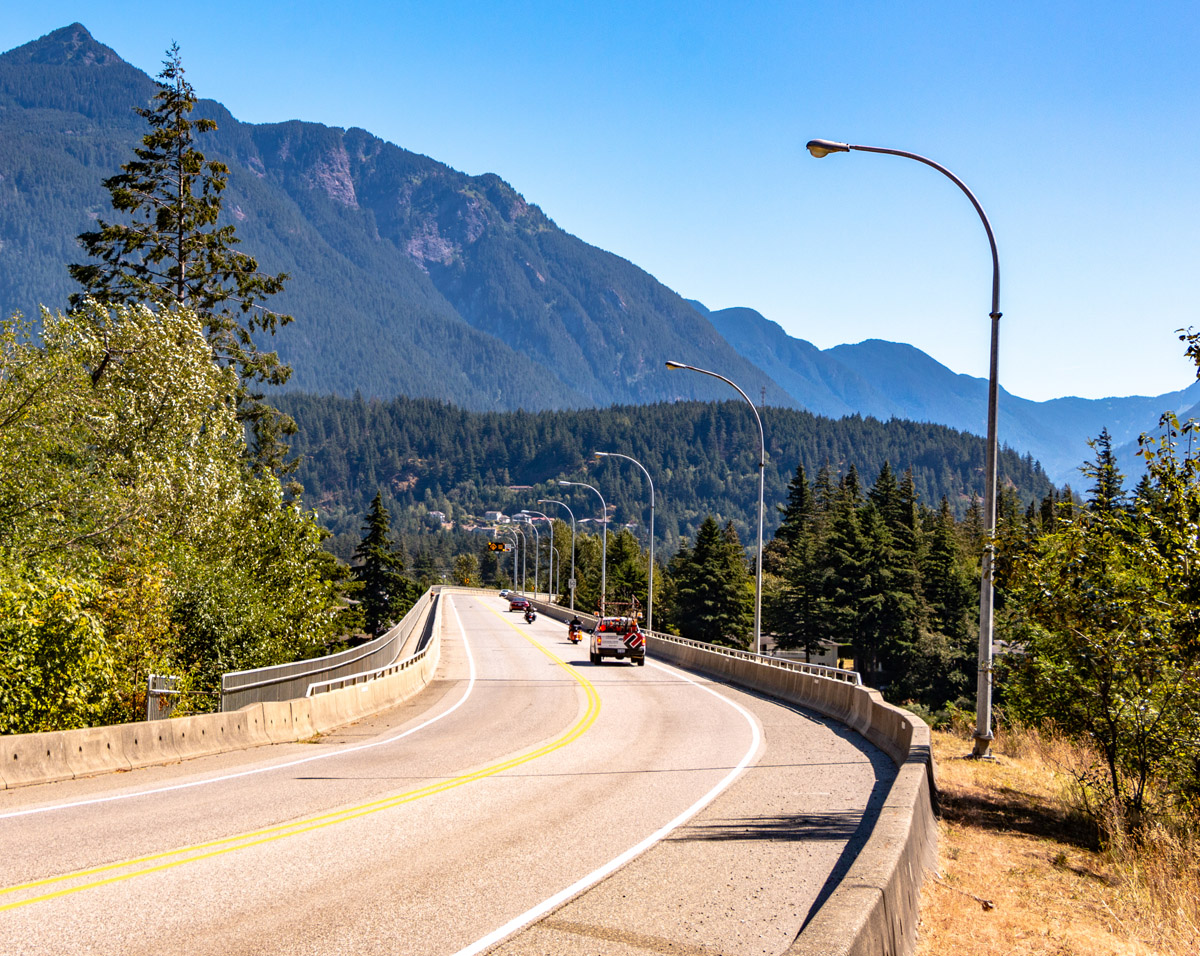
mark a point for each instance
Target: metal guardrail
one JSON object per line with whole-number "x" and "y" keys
{"x": 557, "y": 611}
{"x": 289, "y": 681}
{"x": 815, "y": 670}
{"x": 348, "y": 680}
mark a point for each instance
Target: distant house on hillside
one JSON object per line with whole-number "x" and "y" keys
{"x": 496, "y": 517}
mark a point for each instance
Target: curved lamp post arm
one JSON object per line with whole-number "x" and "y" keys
{"x": 762, "y": 465}
{"x": 650, "y": 581}
{"x": 983, "y": 705}
{"x": 551, "y": 501}
{"x": 823, "y": 147}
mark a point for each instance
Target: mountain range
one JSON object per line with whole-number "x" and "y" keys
{"x": 410, "y": 278}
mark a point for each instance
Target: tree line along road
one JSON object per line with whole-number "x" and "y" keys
{"x": 526, "y": 801}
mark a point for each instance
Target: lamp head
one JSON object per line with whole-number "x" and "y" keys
{"x": 561, "y": 482}
{"x": 600, "y": 454}
{"x": 676, "y": 365}
{"x": 823, "y": 147}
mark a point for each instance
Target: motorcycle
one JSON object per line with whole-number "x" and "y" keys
{"x": 530, "y": 616}
{"x": 574, "y": 634}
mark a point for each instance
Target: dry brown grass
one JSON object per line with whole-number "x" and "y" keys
{"x": 1011, "y": 835}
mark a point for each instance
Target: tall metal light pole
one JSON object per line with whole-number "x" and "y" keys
{"x": 550, "y": 543}
{"x": 983, "y": 697}
{"x": 515, "y": 543}
{"x": 762, "y": 465}
{"x": 650, "y": 584}
{"x": 537, "y": 554}
{"x": 571, "y": 582}
{"x": 558, "y": 574}
{"x": 603, "y": 540}
{"x": 524, "y": 552}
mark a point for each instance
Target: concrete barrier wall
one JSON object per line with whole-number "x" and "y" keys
{"x": 875, "y": 908}
{"x": 280, "y": 682}
{"x": 27, "y": 759}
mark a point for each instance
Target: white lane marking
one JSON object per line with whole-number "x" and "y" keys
{"x": 546, "y": 906}
{"x": 274, "y": 767}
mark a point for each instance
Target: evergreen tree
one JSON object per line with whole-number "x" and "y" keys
{"x": 843, "y": 580}
{"x": 798, "y": 509}
{"x": 626, "y": 575}
{"x": 171, "y": 253}
{"x": 973, "y": 532}
{"x": 896, "y": 505}
{"x": 713, "y": 592}
{"x": 1108, "y": 492}
{"x": 386, "y": 592}
{"x": 792, "y": 613}
{"x": 889, "y": 610}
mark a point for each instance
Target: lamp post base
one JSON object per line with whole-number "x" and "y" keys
{"x": 983, "y": 748}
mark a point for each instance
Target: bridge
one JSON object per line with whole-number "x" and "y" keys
{"x": 525, "y": 801}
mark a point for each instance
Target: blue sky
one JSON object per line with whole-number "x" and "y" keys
{"x": 673, "y": 134}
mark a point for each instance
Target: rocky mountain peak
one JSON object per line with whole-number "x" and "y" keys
{"x": 71, "y": 45}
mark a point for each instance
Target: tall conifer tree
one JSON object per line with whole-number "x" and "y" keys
{"x": 386, "y": 592}
{"x": 171, "y": 252}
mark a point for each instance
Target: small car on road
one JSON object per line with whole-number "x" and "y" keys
{"x": 518, "y": 604}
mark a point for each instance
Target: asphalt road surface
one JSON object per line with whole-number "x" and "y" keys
{"x": 526, "y": 802}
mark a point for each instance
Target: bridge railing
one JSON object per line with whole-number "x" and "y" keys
{"x": 289, "y": 681}
{"x": 800, "y": 667}
{"x": 560, "y": 613}
{"x": 361, "y": 677}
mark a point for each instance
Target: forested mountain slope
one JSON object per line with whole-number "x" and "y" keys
{"x": 411, "y": 278}
{"x": 702, "y": 456}
{"x": 408, "y": 277}
{"x": 890, "y": 379}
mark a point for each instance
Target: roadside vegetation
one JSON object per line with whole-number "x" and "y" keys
{"x": 1025, "y": 866}
{"x": 145, "y": 526}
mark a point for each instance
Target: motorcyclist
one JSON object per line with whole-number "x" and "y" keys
{"x": 574, "y": 628}
{"x": 530, "y": 615}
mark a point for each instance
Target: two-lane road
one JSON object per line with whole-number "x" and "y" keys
{"x": 520, "y": 777}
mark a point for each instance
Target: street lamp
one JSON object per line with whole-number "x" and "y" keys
{"x": 558, "y": 574}
{"x": 515, "y": 543}
{"x": 550, "y": 543}
{"x": 983, "y": 697}
{"x": 524, "y": 552}
{"x": 603, "y": 540}
{"x": 762, "y": 465}
{"x": 650, "y": 584}
{"x": 537, "y": 554}
{"x": 571, "y": 582}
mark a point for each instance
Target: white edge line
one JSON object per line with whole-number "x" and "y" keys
{"x": 274, "y": 767}
{"x": 546, "y": 906}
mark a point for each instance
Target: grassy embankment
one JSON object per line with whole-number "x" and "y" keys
{"x": 1023, "y": 871}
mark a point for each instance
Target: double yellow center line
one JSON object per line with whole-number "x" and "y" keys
{"x": 80, "y": 880}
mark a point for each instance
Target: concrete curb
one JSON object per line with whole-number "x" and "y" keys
{"x": 875, "y": 908}
{"x": 29, "y": 759}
